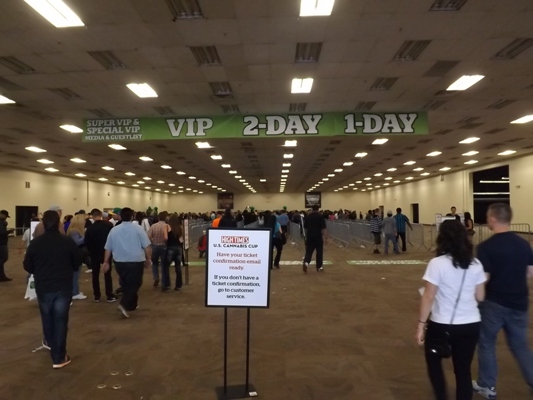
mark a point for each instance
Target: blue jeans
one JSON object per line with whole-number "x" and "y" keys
{"x": 54, "y": 309}
{"x": 158, "y": 252}
{"x": 392, "y": 238}
{"x": 172, "y": 254}
{"x": 75, "y": 283}
{"x": 494, "y": 317}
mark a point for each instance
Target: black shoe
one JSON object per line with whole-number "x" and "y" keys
{"x": 118, "y": 292}
{"x": 165, "y": 289}
{"x": 276, "y": 266}
{"x": 177, "y": 289}
{"x": 96, "y": 300}
{"x": 5, "y": 279}
{"x": 156, "y": 283}
{"x": 112, "y": 298}
{"x": 376, "y": 251}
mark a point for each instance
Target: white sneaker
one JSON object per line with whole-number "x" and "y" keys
{"x": 88, "y": 271}
{"x": 488, "y": 393}
{"x": 80, "y": 296}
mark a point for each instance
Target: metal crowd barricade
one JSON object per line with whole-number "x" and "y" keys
{"x": 296, "y": 238}
{"x": 195, "y": 232}
{"x": 416, "y": 237}
{"x": 253, "y": 225}
{"x": 240, "y": 224}
{"x": 339, "y": 233}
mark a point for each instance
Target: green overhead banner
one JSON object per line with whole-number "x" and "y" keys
{"x": 260, "y": 126}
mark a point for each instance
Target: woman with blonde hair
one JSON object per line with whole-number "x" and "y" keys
{"x": 76, "y": 231}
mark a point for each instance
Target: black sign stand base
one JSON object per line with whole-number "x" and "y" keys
{"x": 236, "y": 392}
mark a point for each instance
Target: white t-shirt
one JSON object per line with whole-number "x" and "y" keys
{"x": 442, "y": 273}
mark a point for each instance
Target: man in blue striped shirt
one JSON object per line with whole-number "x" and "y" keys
{"x": 376, "y": 223}
{"x": 401, "y": 221}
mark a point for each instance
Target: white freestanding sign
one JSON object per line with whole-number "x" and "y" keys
{"x": 238, "y": 267}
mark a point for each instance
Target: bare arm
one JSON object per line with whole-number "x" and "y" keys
{"x": 430, "y": 291}
{"x": 148, "y": 255}
{"x": 480, "y": 292}
{"x": 530, "y": 271}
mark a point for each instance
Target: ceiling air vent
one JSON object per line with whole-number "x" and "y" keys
{"x": 107, "y": 59}
{"x": 66, "y": 93}
{"x": 8, "y": 85}
{"x": 365, "y": 105}
{"x": 38, "y": 115}
{"x": 411, "y": 50}
{"x": 500, "y": 104}
{"x": 230, "y": 108}
{"x": 471, "y": 125}
{"x": 206, "y": 55}
{"x": 185, "y": 9}
{"x": 440, "y": 69}
{"x": 433, "y": 105}
{"x": 16, "y": 65}
{"x": 513, "y": 49}
{"x": 297, "y": 107}
{"x": 335, "y": 142}
{"x": 447, "y": 5}
{"x": 22, "y": 131}
{"x": 443, "y": 132}
{"x": 383, "y": 83}
{"x": 164, "y": 110}
{"x": 468, "y": 120}
{"x": 425, "y": 141}
{"x": 515, "y": 140}
{"x": 308, "y": 52}
{"x": 449, "y": 148}
{"x": 101, "y": 112}
{"x": 221, "y": 90}
{"x": 494, "y": 131}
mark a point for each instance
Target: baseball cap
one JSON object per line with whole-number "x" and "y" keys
{"x": 82, "y": 212}
{"x": 116, "y": 210}
{"x": 5, "y": 213}
{"x": 55, "y": 208}
{"x": 389, "y": 212}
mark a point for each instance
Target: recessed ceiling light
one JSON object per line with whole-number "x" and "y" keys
{"x": 180, "y": 187}
{"x": 108, "y": 168}
{"x": 180, "y": 191}
{"x": 367, "y": 178}
{"x": 129, "y": 174}
{"x": 392, "y": 169}
{"x": 195, "y": 191}
{"x": 325, "y": 179}
{"x": 378, "y": 174}
{"x": 216, "y": 157}
{"x": 471, "y": 153}
{"x": 283, "y": 179}
{"x": 338, "y": 170}
{"x": 121, "y": 182}
{"x": 388, "y": 178}
{"x": 506, "y": 153}
{"x": 523, "y": 120}
{"x": 145, "y": 158}
{"x": 166, "y": 191}
{"x": 286, "y": 165}
{"x": 5, "y": 100}
{"x": 377, "y": 187}
{"x": 471, "y": 162}
{"x": 359, "y": 182}
{"x": 302, "y": 85}
{"x": 102, "y": 179}
{"x": 409, "y": 163}
{"x": 147, "y": 187}
{"x": 409, "y": 178}
{"x": 160, "y": 182}
{"x": 143, "y": 90}
{"x": 465, "y": 82}
{"x": 314, "y": 8}
{"x": 445, "y": 169}
{"x": 166, "y": 167}
{"x": 81, "y": 175}
{"x": 424, "y": 174}
{"x": 140, "y": 182}
{"x": 262, "y": 180}
{"x": 418, "y": 169}
{"x": 368, "y": 184}
{"x": 188, "y": 189}
{"x": 242, "y": 180}
{"x": 348, "y": 164}
{"x": 351, "y": 184}
{"x": 117, "y": 147}
{"x": 237, "y": 177}
{"x": 331, "y": 175}
{"x": 147, "y": 178}
{"x": 71, "y": 128}
{"x": 361, "y": 155}
{"x": 380, "y": 141}
{"x": 284, "y": 176}
{"x": 469, "y": 140}
{"x": 396, "y": 181}
{"x": 201, "y": 181}
{"x": 288, "y": 155}
{"x": 181, "y": 173}
{"x": 203, "y": 145}
{"x": 434, "y": 154}
{"x": 172, "y": 184}
{"x": 200, "y": 192}
{"x": 226, "y": 166}
{"x": 233, "y": 172}
{"x": 192, "y": 177}
{"x": 77, "y": 160}
{"x": 208, "y": 184}
{"x": 290, "y": 143}
{"x": 45, "y": 161}
{"x": 135, "y": 185}
{"x": 386, "y": 184}
{"x": 56, "y": 12}
{"x": 285, "y": 171}
{"x": 35, "y": 149}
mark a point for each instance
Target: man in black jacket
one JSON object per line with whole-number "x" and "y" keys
{"x": 95, "y": 239}
{"x": 4, "y": 232}
{"x": 52, "y": 258}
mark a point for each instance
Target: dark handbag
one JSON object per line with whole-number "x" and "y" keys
{"x": 440, "y": 346}
{"x": 283, "y": 239}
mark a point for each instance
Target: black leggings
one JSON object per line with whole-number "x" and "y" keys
{"x": 463, "y": 341}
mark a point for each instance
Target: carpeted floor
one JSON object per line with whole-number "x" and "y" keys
{"x": 345, "y": 334}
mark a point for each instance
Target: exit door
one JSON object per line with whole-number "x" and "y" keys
{"x": 23, "y": 217}
{"x": 415, "y": 212}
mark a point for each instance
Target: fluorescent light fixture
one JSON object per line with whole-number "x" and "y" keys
{"x": 145, "y": 158}
{"x": 203, "y": 145}
{"x": 77, "y": 160}
{"x": 117, "y": 147}
{"x": 121, "y": 182}
{"x": 493, "y": 181}
{"x": 331, "y": 175}
{"x": 409, "y": 163}
{"x": 338, "y": 170}
{"x": 140, "y": 182}
{"x": 108, "y": 168}
{"x": 171, "y": 184}
{"x": 471, "y": 162}
{"x": 201, "y": 181}
{"x": 316, "y": 8}
{"x": 388, "y": 178}
{"x": 135, "y": 185}
{"x": 351, "y": 184}
{"x": 290, "y": 143}
{"x": 5, "y": 100}
{"x": 71, "y": 128}
{"x": 262, "y": 180}
{"x": 286, "y": 165}
{"x": 232, "y": 172}
{"x": 283, "y": 179}
{"x": 469, "y": 140}
{"x": 56, "y": 12}
{"x": 160, "y": 182}
{"x": 396, "y": 181}
{"x": 129, "y": 174}
{"x": 409, "y": 178}
{"x": 194, "y": 191}
{"x": 380, "y": 141}
{"x": 208, "y": 184}
{"x": 285, "y": 171}
{"x": 192, "y": 177}
{"x": 325, "y": 179}
{"x": 45, "y": 161}
{"x": 102, "y": 179}
{"x": 200, "y": 192}
{"x": 143, "y": 90}
{"x": 418, "y": 169}
{"x": 347, "y": 164}
{"x": 506, "y": 153}
{"x": 80, "y": 175}
{"x": 361, "y": 155}
{"x": 378, "y": 174}
{"x": 465, "y": 82}
{"x": 377, "y": 187}
{"x": 392, "y": 169}
{"x": 236, "y": 177}
{"x": 147, "y": 187}
{"x": 180, "y": 191}
{"x": 288, "y": 156}
{"x": 51, "y": 169}
{"x": 35, "y": 149}
{"x": 368, "y": 184}
{"x": 242, "y": 180}
{"x": 158, "y": 190}
{"x": 166, "y": 167}
{"x": 216, "y": 157}
{"x": 166, "y": 191}
{"x": 444, "y": 169}
{"x": 147, "y": 178}
{"x": 424, "y": 174}
{"x": 226, "y": 166}
{"x": 180, "y": 187}
{"x": 284, "y": 176}
{"x": 368, "y": 178}
{"x": 523, "y": 120}
{"x": 470, "y": 153}
{"x": 434, "y": 154}
{"x": 181, "y": 173}
{"x": 302, "y": 85}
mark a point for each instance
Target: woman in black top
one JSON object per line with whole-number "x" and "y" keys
{"x": 173, "y": 254}
{"x": 469, "y": 225}
{"x": 227, "y": 220}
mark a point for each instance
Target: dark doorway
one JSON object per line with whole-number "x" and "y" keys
{"x": 23, "y": 217}
{"x": 415, "y": 212}
{"x": 490, "y": 186}
{"x": 382, "y": 210}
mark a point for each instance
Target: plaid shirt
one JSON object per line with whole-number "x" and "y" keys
{"x": 156, "y": 233}
{"x": 401, "y": 221}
